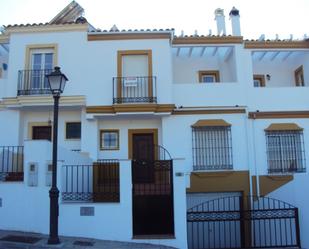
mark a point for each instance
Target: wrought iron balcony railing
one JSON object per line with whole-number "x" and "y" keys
{"x": 33, "y": 82}
{"x": 134, "y": 90}
{"x": 11, "y": 163}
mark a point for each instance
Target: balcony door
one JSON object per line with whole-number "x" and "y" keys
{"x": 41, "y": 64}
{"x": 135, "y": 75}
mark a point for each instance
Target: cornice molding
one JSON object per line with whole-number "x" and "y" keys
{"x": 127, "y": 36}
{"x": 208, "y": 111}
{"x": 208, "y": 40}
{"x": 278, "y": 114}
{"x": 124, "y": 108}
{"x": 23, "y": 101}
{"x": 275, "y": 44}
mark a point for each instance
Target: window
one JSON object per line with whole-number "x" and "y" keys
{"x": 212, "y": 147}
{"x": 285, "y": 151}
{"x": 40, "y": 60}
{"x": 259, "y": 80}
{"x": 299, "y": 76}
{"x": 209, "y": 76}
{"x": 73, "y": 130}
{"x": 109, "y": 139}
{"x": 41, "y": 132}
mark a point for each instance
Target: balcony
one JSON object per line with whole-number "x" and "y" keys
{"x": 11, "y": 163}
{"x": 279, "y": 98}
{"x": 134, "y": 90}
{"x": 212, "y": 94}
{"x": 33, "y": 82}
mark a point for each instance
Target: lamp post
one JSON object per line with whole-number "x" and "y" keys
{"x": 56, "y": 81}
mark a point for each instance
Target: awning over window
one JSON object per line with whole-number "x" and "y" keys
{"x": 211, "y": 122}
{"x": 284, "y": 127}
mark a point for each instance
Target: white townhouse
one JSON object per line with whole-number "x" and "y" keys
{"x": 188, "y": 141}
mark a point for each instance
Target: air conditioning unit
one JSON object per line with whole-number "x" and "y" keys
{"x": 130, "y": 82}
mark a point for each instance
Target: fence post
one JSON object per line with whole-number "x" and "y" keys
{"x": 242, "y": 222}
{"x": 297, "y": 228}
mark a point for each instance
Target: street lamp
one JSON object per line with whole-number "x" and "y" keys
{"x": 56, "y": 81}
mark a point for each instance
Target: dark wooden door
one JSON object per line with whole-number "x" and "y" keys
{"x": 152, "y": 189}
{"x": 143, "y": 148}
{"x": 143, "y": 158}
{"x": 41, "y": 132}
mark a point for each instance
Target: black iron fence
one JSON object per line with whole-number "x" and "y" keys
{"x": 134, "y": 90}
{"x": 152, "y": 179}
{"x": 243, "y": 222}
{"x": 97, "y": 182}
{"x": 32, "y": 82}
{"x": 11, "y": 163}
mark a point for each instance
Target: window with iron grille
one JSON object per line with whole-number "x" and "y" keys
{"x": 285, "y": 151}
{"x": 212, "y": 148}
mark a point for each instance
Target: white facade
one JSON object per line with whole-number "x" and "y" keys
{"x": 92, "y": 60}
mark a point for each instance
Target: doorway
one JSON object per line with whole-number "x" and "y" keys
{"x": 152, "y": 179}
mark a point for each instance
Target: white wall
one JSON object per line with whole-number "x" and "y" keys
{"x": 294, "y": 193}
{"x": 177, "y": 137}
{"x": 24, "y": 207}
{"x": 282, "y": 72}
{"x": 3, "y": 83}
{"x": 43, "y": 116}
{"x": 27, "y": 208}
{"x": 185, "y": 69}
{"x": 260, "y": 140}
{"x": 91, "y": 66}
{"x": 4, "y": 59}
{"x": 101, "y": 63}
{"x": 9, "y": 125}
{"x": 123, "y": 125}
{"x": 278, "y": 99}
{"x": 223, "y": 94}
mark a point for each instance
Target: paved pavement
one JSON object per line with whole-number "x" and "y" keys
{"x": 68, "y": 243}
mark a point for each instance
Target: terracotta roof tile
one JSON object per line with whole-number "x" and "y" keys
{"x": 132, "y": 30}
{"x": 35, "y": 24}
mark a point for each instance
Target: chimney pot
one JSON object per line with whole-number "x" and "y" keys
{"x": 220, "y": 19}
{"x": 234, "y": 17}
{"x": 234, "y": 12}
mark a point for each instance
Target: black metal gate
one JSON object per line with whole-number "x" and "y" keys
{"x": 243, "y": 222}
{"x": 153, "y": 212}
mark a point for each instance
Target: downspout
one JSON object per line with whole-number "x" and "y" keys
{"x": 257, "y": 182}
{"x": 247, "y": 154}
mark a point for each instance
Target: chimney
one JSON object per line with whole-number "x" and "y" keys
{"x": 234, "y": 16}
{"x": 220, "y": 19}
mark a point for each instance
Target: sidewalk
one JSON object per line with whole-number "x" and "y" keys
{"x": 39, "y": 241}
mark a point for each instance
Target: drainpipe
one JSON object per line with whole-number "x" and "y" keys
{"x": 254, "y": 158}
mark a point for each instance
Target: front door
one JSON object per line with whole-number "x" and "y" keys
{"x": 143, "y": 157}
{"x": 152, "y": 188}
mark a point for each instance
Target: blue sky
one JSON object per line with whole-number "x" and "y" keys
{"x": 270, "y": 17}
